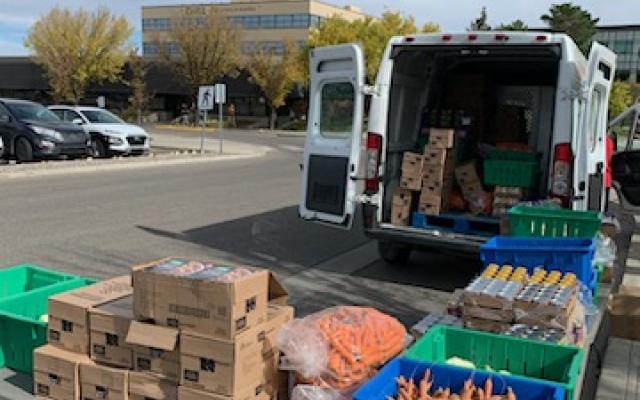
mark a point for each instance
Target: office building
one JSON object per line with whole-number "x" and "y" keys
{"x": 624, "y": 40}
{"x": 265, "y": 23}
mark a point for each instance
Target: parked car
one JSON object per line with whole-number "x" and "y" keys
{"x": 1, "y": 147}
{"x": 109, "y": 134}
{"x": 423, "y": 82}
{"x": 30, "y": 131}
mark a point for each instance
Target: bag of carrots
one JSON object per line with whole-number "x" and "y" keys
{"x": 341, "y": 346}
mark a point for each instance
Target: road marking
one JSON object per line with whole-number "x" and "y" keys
{"x": 296, "y": 149}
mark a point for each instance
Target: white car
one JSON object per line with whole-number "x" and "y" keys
{"x": 110, "y": 135}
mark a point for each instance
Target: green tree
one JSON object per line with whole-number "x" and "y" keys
{"x": 275, "y": 74}
{"x": 206, "y": 49}
{"x": 480, "y": 23}
{"x": 517, "y": 25}
{"x": 573, "y": 20}
{"x": 139, "y": 99}
{"x": 620, "y": 98}
{"x": 372, "y": 34}
{"x": 78, "y": 47}
{"x": 430, "y": 27}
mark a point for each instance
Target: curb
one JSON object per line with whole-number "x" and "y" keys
{"x": 91, "y": 167}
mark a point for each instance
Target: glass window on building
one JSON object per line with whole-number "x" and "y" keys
{"x": 149, "y": 48}
{"x": 284, "y": 21}
{"x": 251, "y": 22}
{"x": 155, "y": 24}
{"x": 248, "y": 47}
{"x": 315, "y": 20}
{"x": 272, "y": 47}
{"x": 172, "y": 47}
{"x": 622, "y": 75}
{"x": 623, "y": 47}
{"x": 267, "y": 21}
{"x": 301, "y": 21}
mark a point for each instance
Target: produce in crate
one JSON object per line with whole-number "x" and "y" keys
{"x": 424, "y": 390}
{"x": 341, "y": 346}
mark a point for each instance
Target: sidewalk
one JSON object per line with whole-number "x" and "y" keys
{"x": 167, "y": 140}
{"x": 620, "y": 374}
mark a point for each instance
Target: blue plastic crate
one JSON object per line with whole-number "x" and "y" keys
{"x": 384, "y": 383}
{"x": 560, "y": 254}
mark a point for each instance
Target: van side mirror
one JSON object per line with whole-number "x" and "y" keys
{"x": 5, "y": 119}
{"x": 77, "y": 121}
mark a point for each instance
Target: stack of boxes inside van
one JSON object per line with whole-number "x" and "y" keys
{"x": 175, "y": 329}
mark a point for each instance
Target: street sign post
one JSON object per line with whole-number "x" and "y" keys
{"x": 205, "y": 103}
{"x": 221, "y": 99}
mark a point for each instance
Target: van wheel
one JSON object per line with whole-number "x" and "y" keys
{"x": 24, "y": 150}
{"x": 393, "y": 253}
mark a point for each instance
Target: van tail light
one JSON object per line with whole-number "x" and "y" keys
{"x": 561, "y": 184}
{"x": 374, "y": 148}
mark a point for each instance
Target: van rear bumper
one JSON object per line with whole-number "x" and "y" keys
{"x": 427, "y": 239}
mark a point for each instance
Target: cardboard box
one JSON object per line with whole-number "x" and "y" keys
{"x": 624, "y": 308}
{"x": 155, "y": 349}
{"x": 256, "y": 391}
{"x": 227, "y": 367}
{"x": 441, "y": 138}
{"x": 411, "y": 164}
{"x": 69, "y": 312}
{"x": 109, "y": 325}
{"x": 440, "y": 189}
{"x": 488, "y": 313}
{"x": 212, "y": 298}
{"x": 438, "y": 173}
{"x": 99, "y": 382}
{"x": 56, "y": 373}
{"x": 485, "y": 325}
{"x": 402, "y": 197}
{"x": 467, "y": 176}
{"x": 411, "y": 182}
{"x": 438, "y": 156}
{"x": 147, "y": 386}
{"x": 400, "y": 215}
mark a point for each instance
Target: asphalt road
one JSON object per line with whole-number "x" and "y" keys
{"x": 100, "y": 224}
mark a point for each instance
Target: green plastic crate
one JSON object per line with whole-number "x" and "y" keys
{"x": 553, "y": 222}
{"x": 512, "y": 155}
{"x": 23, "y": 278}
{"x": 510, "y": 173}
{"x": 21, "y": 327}
{"x": 532, "y": 359}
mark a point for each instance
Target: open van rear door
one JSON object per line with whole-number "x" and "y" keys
{"x": 590, "y": 144}
{"x": 334, "y": 135}
{"x": 626, "y": 163}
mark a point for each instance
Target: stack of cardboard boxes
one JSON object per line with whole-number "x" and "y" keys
{"x": 437, "y": 171}
{"x": 183, "y": 330}
{"x": 401, "y": 207}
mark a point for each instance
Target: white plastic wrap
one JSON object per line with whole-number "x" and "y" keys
{"x": 311, "y": 392}
{"x": 340, "y": 347}
{"x": 606, "y": 249}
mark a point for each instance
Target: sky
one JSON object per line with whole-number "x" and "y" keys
{"x": 16, "y": 16}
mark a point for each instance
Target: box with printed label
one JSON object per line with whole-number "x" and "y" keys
{"x": 99, "y": 382}
{"x": 226, "y": 367}
{"x": 148, "y": 386}
{"x": 438, "y": 157}
{"x": 442, "y": 138}
{"x": 56, "y": 373}
{"x": 256, "y": 391}
{"x": 155, "y": 349}
{"x": 411, "y": 164}
{"x": 212, "y": 298}
{"x": 109, "y": 325}
{"x": 69, "y": 312}
{"x": 438, "y": 173}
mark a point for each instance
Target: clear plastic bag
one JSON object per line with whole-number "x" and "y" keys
{"x": 311, "y": 392}
{"x": 606, "y": 249}
{"x": 341, "y": 346}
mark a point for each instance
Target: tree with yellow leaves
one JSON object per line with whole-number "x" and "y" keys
{"x": 79, "y": 47}
{"x": 206, "y": 48}
{"x": 275, "y": 74}
{"x": 371, "y": 33}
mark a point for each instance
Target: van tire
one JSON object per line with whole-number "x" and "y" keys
{"x": 393, "y": 253}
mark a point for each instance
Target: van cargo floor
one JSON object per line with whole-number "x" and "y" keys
{"x": 458, "y": 223}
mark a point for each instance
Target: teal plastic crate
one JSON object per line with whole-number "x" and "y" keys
{"x": 22, "y": 325}
{"x": 535, "y": 360}
{"x": 510, "y": 173}
{"x": 23, "y": 278}
{"x": 553, "y": 222}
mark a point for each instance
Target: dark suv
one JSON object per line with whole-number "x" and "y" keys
{"x": 31, "y": 131}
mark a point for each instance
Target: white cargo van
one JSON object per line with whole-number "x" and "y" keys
{"x": 564, "y": 97}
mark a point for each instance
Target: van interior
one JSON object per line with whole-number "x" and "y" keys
{"x": 491, "y": 94}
